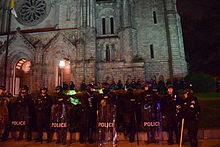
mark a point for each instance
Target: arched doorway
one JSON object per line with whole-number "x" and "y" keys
{"x": 22, "y": 74}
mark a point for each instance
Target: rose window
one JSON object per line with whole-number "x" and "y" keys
{"x": 32, "y": 12}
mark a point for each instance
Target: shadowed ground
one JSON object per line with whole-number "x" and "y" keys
{"x": 11, "y": 143}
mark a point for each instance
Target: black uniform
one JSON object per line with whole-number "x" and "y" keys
{"x": 22, "y": 116}
{"x": 129, "y": 107}
{"x": 4, "y": 115}
{"x": 88, "y": 117}
{"x": 170, "y": 108}
{"x": 59, "y": 117}
{"x": 42, "y": 106}
{"x": 151, "y": 116}
{"x": 190, "y": 110}
{"x": 107, "y": 117}
{"x": 7, "y": 99}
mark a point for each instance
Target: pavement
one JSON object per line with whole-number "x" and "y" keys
{"x": 12, "y": 143}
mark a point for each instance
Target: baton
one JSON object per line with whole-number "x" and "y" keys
{"x": 181, "y": 135}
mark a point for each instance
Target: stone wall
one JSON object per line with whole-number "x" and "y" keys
{"x": 77, "y": 36}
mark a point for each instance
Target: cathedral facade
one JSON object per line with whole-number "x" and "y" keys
{"x": 52, "y": 41}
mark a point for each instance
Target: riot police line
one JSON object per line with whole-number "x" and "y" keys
{"x": 99, "y": 114}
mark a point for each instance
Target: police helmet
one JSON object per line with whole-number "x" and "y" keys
{"x": 2, "y": 88}
{"x": 170, "y": 86}
{"x": 59, "y": 88}
{"x": 188, "y": 91}
{"x": 25, "y": 87}
{"x": 43, "y": 88}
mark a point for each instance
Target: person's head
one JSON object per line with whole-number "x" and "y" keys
{"x": 59, "y": 89}
{"x": 170, "y": 89}
{"x": 89, "y": 87}
{"x": 105, "y": 86}
{"x": 43, "y": 90}
{"x": 2, "y": 90}
{"x": 24, "y": 89}
{"x": 147, "y": 86}
{"x": 187, "y": 92}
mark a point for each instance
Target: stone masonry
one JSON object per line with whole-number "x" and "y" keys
{"x": 101, "y": 40}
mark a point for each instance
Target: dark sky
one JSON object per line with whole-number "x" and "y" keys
{"x": 201, "y": 32}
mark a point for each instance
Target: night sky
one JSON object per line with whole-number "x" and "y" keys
{"x": 201, "y": 33}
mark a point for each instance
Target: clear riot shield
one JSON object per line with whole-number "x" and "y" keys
{"x": 59, "y": 116}
{"x": 106, "y": 124}
{"x": 152, "y": 122}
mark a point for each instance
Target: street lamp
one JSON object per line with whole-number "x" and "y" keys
{"x": 62, "y": 65}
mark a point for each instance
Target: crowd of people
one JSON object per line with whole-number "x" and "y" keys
{"x": 100, "y": 115}
{"x": 160, "y": 86}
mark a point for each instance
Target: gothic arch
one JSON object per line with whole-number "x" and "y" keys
{"x": 59, "y": 48}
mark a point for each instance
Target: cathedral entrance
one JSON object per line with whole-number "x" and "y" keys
{"x": 22, "y": 75}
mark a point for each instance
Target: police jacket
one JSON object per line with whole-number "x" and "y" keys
{"x": 60, "y": 99}
{"x": 43, "y": 103}
{"x": 171, "y": 104}
{"x": 190, "y": 108}
{"x": 25, "y": 101}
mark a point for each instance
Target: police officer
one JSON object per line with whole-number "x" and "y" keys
{"x": 129, "y": 107}
{"x": 59, "y": 115}
{"x": 89, "y": 114}
{"x": 171, "y": 103}
{"x": 190, "y": 110}
{"x": 7, "y": 99}
{"x": 107, "y": 115}
{"x": 42, "y": 106}
{"x": 150, "y": 107}
{"x": 3, "y": 112}
{"x": 24, "y": 112}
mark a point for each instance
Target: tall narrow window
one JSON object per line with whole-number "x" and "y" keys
{"x": 155, "y": 17}
{"x": 107, "y": 53}
{"x": 103, "y": 26}
{"x": 112, "y": 25}
{"x": 151, "y": 51}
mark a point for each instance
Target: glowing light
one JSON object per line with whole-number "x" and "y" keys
{"x": 62, "y": 64}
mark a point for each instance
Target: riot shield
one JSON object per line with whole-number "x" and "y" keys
{"x": 106, "y": 124}
{"x": 59, "y": 116}
{"x": 20, "y": 117}
{"x": 152, "y": 122}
